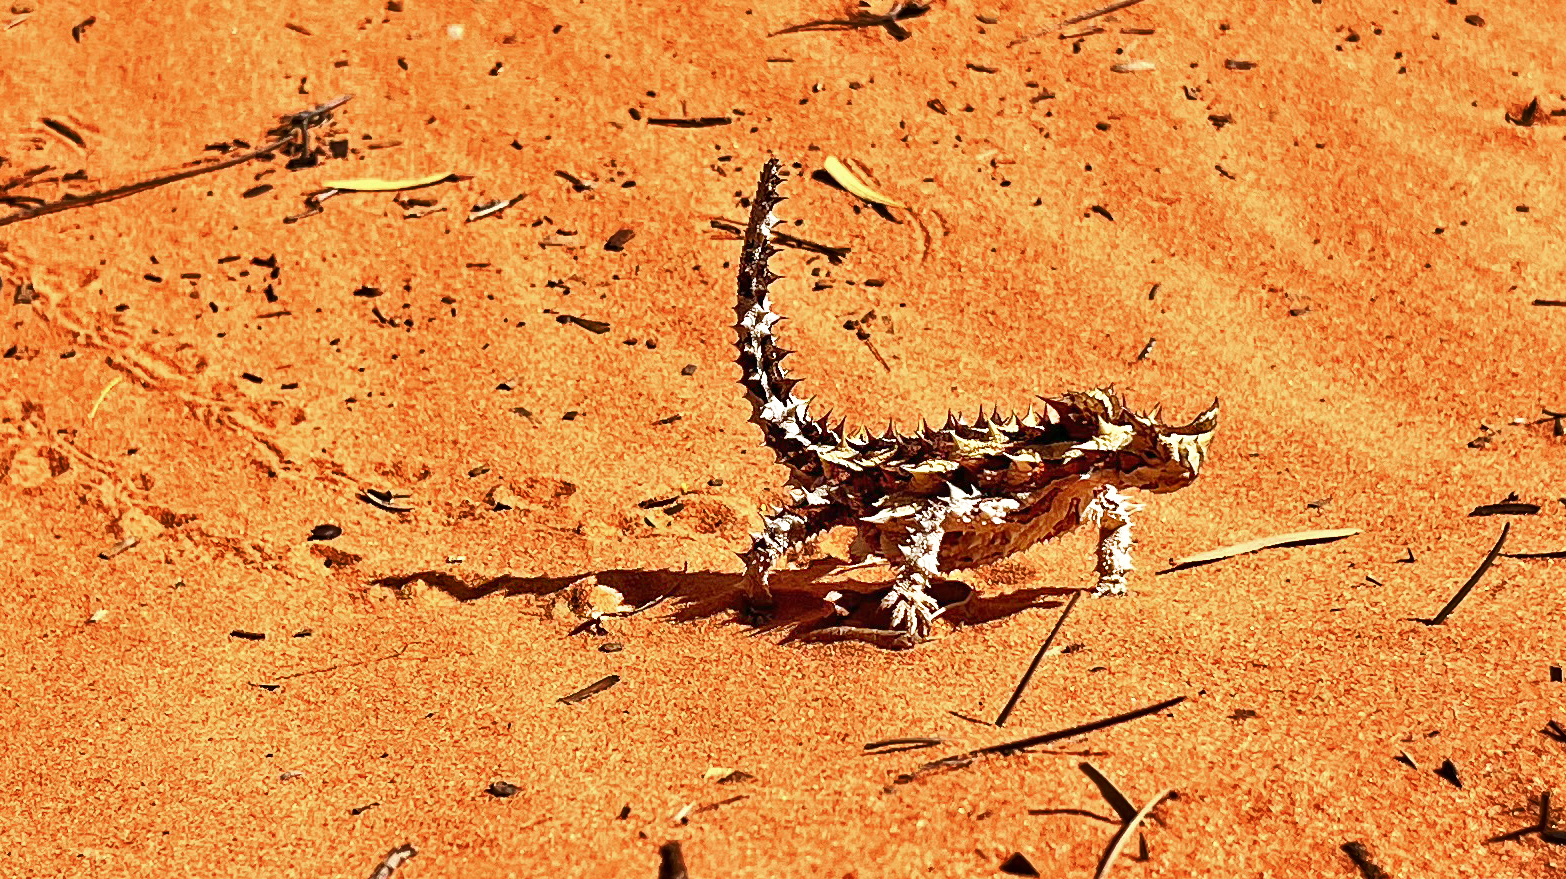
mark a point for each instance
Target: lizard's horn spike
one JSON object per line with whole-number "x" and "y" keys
{"x": 951, "y": 420}
{"x": 1204, "y": 422}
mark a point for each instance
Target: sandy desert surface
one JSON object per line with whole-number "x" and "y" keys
{"x": 308, "y": 527}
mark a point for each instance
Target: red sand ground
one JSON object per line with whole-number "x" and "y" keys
{"x": 1348, "y": 261}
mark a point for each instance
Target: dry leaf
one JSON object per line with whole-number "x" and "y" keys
{"x": 1126, "y": 832}
{"x": 375, "y": 184}
{"x": 849, "y": 181}
{"x": 1290, "y": 539}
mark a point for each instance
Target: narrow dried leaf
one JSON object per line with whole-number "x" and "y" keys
{"x": 1260, "y": 543}
{"x": 1126, "y": 832}
{"x": 376, "y": 184}
{"x": 851, "y": 182}
{"x": 1113, "y": 795}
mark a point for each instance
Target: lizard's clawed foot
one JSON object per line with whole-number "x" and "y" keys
{"x": 1108, "y": 586}
{"x": 913, "y": 611}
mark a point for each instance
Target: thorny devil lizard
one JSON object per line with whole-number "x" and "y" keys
{"x": 945, "y": 499}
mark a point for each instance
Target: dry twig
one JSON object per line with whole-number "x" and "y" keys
{"x": 1075, "y": 19}
{"x": 1126, "y": 832}
{"x": 295, "y": 128}
{"x": 959, "y": 761}
{"x": 1473, "y": 580}
{"x": 1038, "y": 657}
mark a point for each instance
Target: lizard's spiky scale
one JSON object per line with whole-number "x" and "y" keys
{"x": 942, "y": 499}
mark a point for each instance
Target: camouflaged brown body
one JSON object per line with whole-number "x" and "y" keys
{"x": 996, "y": 458}
{"x": 953, "y": 497}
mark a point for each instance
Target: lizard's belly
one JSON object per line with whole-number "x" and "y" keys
{"x": 1044, "y": 516}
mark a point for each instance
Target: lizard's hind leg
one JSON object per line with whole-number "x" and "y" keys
{"x": 785, "y": 530}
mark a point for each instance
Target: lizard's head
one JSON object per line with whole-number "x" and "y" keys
{"x": 1147, "y": 452}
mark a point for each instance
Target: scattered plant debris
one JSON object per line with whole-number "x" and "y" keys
{"x": 1127, "y": 830}
{"x": 64, "y": 131}
{"x": 1027, "y": 676}
{"x": 1296, "y": 538}
{"x": 1473, "y": 580}
{"x": 1545, "y": 826}
{"x": 1075, "y": 19}
{"x": 489, "y": 209}
{"x": 1525, "y": 119}
{"x": 597, "y": 327}
{"x": 325, "y": 532}
{"x": 698, "y": 122}
{"x": 390, "y": 501}
{"x": 501, "y": 789}
{"x": 590, "y": 690}
{"x": 397, "y": 858}
{"x": 577, "y": 183}
{"x": 117, "y": 548}
{"x": 901, "y": 11}
{"x": 294, "y": 130}
{"x": 845, "y": 178}
{"x": 618, "y": 240}
{"x": 963, "y": 760}
{"x": 1509, "y": 507}
{"x": 892, "y": 746}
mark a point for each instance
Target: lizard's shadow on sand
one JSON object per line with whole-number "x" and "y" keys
{"x": 802, "y": 607}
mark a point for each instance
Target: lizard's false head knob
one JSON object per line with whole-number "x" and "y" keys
{"x": 1164, "y": 457}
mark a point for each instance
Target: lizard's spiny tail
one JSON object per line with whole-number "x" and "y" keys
{"x": 791, "y": 434}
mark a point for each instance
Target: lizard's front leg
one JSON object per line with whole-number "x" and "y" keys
{"x": 1111, "y": 511}
{"x": 913, "y": 546}
{"x": 785, "y": 530}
